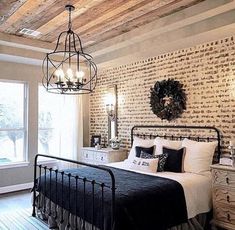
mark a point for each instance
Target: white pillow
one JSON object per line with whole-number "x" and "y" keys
{"x": 198, "y": 156}
{"x": 144, "y": 165}
{"x": 160, "y": 143}
{"x": 139, "y": 142}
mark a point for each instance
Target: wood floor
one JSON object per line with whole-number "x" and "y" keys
{"x": 16, "y": 212}
{"x": 16, "y": 200}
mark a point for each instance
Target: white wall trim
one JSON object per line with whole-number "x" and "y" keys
{"x": 14, "y": 165}
{"x": 17, "y": 187}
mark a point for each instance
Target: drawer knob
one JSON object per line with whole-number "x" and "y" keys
{"x": 102, "y": 158}
{"x": 86, "y": 155}
{"x": 227, "y": 180}
{"x": 228, "y": 217}
{"x": 228, "y": 198}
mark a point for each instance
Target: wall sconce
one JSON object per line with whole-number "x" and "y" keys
{"x": 111, "y": 110}
{"x": 110, "y": 103}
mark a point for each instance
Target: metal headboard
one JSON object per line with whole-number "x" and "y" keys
{"x": 154, "y": 131}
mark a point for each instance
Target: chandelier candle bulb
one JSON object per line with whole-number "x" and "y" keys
{"x": 80, "y": 74}
{"x": 70, "y": 74}
{"x": 59, "y": 73}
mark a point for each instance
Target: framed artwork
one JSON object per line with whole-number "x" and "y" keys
{"x": 95, "y": 139}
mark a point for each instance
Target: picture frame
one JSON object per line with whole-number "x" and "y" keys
{"x": 95, "y": 139}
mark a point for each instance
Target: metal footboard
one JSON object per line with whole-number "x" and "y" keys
{"x": 41, "y": 170}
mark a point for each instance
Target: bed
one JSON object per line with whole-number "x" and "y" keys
{"x": 119, "y": 196}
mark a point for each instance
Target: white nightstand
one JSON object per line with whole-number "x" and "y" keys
{"x": 102, "y": 156}
{"x": 223, "y": 182}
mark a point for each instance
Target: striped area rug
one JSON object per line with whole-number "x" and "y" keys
{"x": 20, "y": 219}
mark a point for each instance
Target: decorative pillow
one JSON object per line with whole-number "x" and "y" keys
{"x": 139, "y": 149}
{"x": 161, "y": 162}
{"x": 174, "y": 160}
{"x": 139, "y": 142}
{"x": 199, "y": 155}
{"x": 144, "y": 165}
{"x": 160, "y": 142}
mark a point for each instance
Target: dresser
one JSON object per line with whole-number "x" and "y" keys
{"x": 102, "y": 156}
{"x": 223, "y": 185}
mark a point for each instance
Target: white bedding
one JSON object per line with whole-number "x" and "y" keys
{"x": 197, "y": 188}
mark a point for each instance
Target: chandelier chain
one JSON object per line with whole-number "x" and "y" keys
{"x": 70, "y": 20}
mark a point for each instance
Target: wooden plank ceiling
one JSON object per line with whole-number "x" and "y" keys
{"x": 93, "y": 20}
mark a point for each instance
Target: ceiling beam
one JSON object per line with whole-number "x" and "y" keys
{"x": 18, "y": 52}
{"x": 19, "y": 59}
{"x": 25, "y": 43}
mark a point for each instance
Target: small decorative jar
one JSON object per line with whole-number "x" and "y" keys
{"x": 115, "y": 143}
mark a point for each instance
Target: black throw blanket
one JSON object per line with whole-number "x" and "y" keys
{"x": 143, "y": 202}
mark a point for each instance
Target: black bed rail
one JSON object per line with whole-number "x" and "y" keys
{"x": 47, "y": 173}
{"x": 178, "y": 137}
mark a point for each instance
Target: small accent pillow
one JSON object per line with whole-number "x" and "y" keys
{"x": 144, "y": 165}
{"x": 160, "y": 142}
{"x": 174, "y": 160}
{"x": 161, "y": 162}
{"x": 199, "y": 155}
{"x": 139, "y": 142}
{"x": 139, "y": 149}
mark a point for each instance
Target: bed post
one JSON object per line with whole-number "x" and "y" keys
{"x": 113, "y": 199}
{"x": 111, "y": 187}
{"x": 132, "y": 134}
{"x": 219, "y": 142}
{"x": 34, "y": 185}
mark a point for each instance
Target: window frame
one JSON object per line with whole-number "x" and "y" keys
{"x": 24, "y": 129}
{"x": 41, "y": 129}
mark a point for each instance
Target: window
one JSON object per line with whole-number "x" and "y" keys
{"x": 57, "y": 124}
{"x": 13, "y": 120}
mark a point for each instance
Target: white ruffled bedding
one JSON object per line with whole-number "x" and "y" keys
{"x": 197, "y": 188}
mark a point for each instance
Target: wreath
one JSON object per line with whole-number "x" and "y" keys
{"x": 168, "y": 99}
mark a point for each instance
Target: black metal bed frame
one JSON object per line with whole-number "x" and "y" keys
{"x": 48, "y": 170}
{"x": 77, "y": 178}
{"x": 178, "y": 137}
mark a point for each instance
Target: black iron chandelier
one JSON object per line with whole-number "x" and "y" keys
{"x": 69, "y": 70}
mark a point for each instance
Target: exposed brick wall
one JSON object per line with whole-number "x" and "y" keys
{"x": 207, "y": 72}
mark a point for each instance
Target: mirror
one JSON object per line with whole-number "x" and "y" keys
{"x": 111, "y": 109}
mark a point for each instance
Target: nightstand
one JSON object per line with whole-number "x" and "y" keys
{"x": 223, "y": 187}
{"x": 102, "y": 156}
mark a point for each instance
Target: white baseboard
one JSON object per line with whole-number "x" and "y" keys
{"x": 17, "y": 187}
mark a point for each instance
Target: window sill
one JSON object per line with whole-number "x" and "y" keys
{"x": 14, "y": 165}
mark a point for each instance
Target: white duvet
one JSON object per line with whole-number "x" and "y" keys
{"x": 197, "y": 188}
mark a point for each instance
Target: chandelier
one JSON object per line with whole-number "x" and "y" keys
{"x": 68, "y": 70}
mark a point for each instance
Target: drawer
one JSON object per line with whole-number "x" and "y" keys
{"x": 87, "y": 155}
{"x": 224, "y": 196}
{"x": 224, "y": 213}
{"x": 226, "y": 178}
{"x": 101, "y": 157}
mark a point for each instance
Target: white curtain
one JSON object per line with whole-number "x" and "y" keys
{"x": 71, "y": 127}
